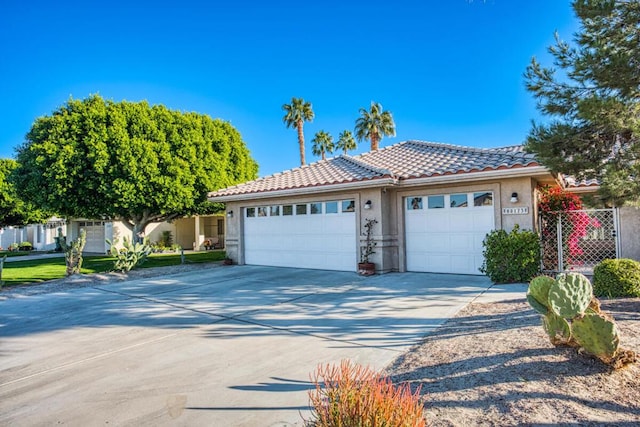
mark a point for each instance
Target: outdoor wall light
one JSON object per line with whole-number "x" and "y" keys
{"x": 514, "y": 197}
{"x": 230, "y": 214}
{"x": 367, "y": 204}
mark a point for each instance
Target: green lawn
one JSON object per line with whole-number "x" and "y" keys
{"x": 34, "y": 271}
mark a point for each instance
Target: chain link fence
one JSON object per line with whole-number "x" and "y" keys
{"x": 577, "y": 240}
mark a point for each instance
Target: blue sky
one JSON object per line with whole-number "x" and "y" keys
{"x": 448, "y": 70}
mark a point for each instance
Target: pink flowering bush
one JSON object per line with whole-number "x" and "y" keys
{"x": 553, "y": 203}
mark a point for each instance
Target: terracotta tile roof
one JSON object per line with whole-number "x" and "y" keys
{"x": 572, "y": 182}
{"x": 402, "y": 161}
{"x": 337, "y": 170}
{"x": 415, "y": 159}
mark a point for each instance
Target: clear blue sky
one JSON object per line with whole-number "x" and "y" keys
{"x": 449, "y": 70}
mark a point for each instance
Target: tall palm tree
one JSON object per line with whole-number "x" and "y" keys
{"x": 322, "y": 144}
{"x": 374, "y": 124}
{"x": 297, "y": 113}
{"x": 346, "y": 142}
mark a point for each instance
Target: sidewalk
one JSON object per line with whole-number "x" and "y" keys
{"x": 36, "y": 256}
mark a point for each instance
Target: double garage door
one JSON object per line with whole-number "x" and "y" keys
{"x": 444, "y": 233}
{"x": 319, "y": 235}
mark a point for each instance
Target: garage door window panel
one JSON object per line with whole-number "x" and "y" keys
{"x": 287, "y": 210}
{"x": 315, "y": 208}
{"x": 435, "y": 202}
{"x": 458, "y": 201}
{"x": 483, "y": 199}
{"x": 348, "y": 206}
{"x": 331, "y": 207}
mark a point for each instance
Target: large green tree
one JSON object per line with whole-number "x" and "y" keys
{"x": 13, "y": 210}
{"x": 592, "y": 97}
{"x": 128, "y": 161}
{"x": 296, "y": 113}
{"x": 374, "y": 124}
{"x": 346, "y": 142}
{"x": 322, "y": 144}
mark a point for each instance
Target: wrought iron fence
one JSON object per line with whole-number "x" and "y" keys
{"x": 578, "y": 240}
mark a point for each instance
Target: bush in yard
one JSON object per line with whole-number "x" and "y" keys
{"x": 25, "y": 246}
{"x": 617, "y": 278}
{"x": 351, "y": 395}
{"x": 511, "y": 257}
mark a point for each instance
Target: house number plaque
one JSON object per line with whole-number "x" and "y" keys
{"x": 515, "y": 211}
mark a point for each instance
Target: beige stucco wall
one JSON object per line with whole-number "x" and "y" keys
{"x": 629, "y": 231}
{"x": 387, "y": 206}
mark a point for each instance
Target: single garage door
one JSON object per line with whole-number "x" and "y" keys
{"x": 444, "y": 233}
{"x": 320, "y": 235}
{"x": 95, "y": 236}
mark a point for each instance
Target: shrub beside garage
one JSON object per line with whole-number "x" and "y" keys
{"x": 617, "y": 278}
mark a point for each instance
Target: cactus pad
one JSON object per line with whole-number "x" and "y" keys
{"x": 557, "y": 328}
{"x": 570, "y": 295}
{"x": 537, "y": 306}
{"x": 597, "y": 335}
{"x": 539, "y": 289}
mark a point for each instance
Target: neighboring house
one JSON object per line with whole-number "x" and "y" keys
{"x": 189, "y": 233}
{"x": 434, "y": 204}
{"x": 41, "y": 236}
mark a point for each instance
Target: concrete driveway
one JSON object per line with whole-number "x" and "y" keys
{"x": 230, "y": 346}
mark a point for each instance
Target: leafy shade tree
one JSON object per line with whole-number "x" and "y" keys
{"x": 13, "y": 210}
{"x": 594, "y": 102}
{"x": 296, "y": 114}
{"x": 128, "y": 161}
{"x": 346, "y": 142}
{"x": 374, "y": 124}
{"x": 322, "y": 144}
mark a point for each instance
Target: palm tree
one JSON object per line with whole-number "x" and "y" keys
{"x": 322, "y": 144}
{"x": 297, "y": 113}
{"x": 346, "y": 142}
{"x": 374, "y": 125}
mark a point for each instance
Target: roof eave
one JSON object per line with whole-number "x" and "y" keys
{"x": 301, "y": 191}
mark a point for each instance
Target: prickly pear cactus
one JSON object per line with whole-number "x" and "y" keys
{"x": 557, "y": 328}
{"x": 570, "y": 295}
{"x": 538, "y": 293}
{"x": 597, "y": 335}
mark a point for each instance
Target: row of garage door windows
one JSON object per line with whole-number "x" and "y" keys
{"x": 333, "y": 207}
{"x": 451, "y": 200}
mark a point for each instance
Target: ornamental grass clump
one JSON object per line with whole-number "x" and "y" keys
{"x": 352, "y": 395}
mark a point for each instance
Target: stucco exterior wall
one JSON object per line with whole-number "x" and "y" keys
{"x": 629, "y": 231}
{"x": 387, "y": 207}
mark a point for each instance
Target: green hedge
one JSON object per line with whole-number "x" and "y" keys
{"x": 511, "y": 257}
{"x": 617, "y": 278}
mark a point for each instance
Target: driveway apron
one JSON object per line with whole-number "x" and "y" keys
{"x": 232, "y": 346}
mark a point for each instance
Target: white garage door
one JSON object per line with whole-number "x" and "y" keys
{"x": 444, "y": 233}
{"x": 95, "y": 235}
{"x": 318, "y": 235}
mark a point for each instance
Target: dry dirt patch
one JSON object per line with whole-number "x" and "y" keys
{"x": 493, "y": 365}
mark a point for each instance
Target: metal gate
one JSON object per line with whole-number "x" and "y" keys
{"x": 578, "y": 240}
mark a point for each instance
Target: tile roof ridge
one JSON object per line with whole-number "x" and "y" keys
{"x": 365, "y": 165}
{"x": 449, "y": 145}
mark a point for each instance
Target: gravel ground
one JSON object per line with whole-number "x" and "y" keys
{"x": 493, "y": 365}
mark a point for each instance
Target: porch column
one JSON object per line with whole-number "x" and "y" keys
{"x": 197, "y": 240}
